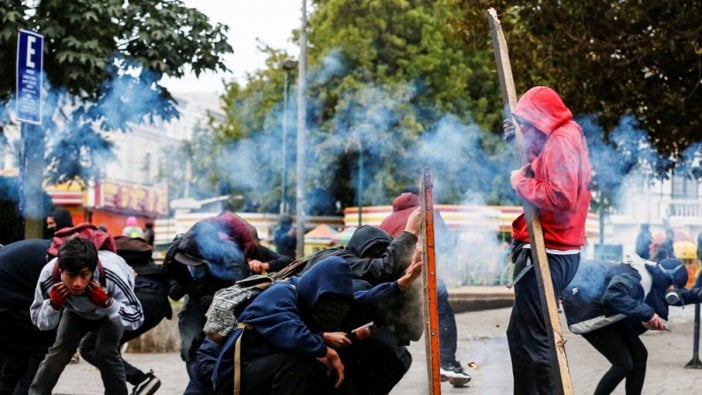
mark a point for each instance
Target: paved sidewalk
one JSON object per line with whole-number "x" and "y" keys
{"x": 482, "y": 340}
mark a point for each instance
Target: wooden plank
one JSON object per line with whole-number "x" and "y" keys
{"x": 536, "y": 237}
{"x": 431, "y": 310}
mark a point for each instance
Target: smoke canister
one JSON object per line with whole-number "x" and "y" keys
{"x": 364, "y": 332}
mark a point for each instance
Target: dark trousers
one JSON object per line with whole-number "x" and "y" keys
{"x": 155, "y": 306}
{"x": 374, "y": 366}
{"x": 448, "y": 334}
{"x": 530, "y": 346}
{"x": 71, "y": 330}
{"x": 620, "y": 344}
{"x": 22, "y": 348}
{"x": 191, "y": 321}
{"x": 285, "y": 374}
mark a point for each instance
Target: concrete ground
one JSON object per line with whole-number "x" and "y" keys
{"x": 481, "y": 340}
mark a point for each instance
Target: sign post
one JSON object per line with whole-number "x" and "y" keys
{"x": 30, "y": 62}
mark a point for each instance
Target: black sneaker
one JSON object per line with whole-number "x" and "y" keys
{"x": 455, "y": 375}
{"x": 148, "y": 386}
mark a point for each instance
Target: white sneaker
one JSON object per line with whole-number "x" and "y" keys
{"x": 455, "y": 375}
{"x": 147, "y": 387}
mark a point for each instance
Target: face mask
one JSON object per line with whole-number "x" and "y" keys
{"x": 197, "y": 272}
{"x": 330, "y": 311}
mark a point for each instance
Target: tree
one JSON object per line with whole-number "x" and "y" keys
{"x": 104, "y": 60}
{"x": 385, "y": 80}
{"x": 609, "y": 59}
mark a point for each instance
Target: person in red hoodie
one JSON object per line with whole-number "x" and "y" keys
{"x": 557, "y": 181}
{"x": 394, "y": 224}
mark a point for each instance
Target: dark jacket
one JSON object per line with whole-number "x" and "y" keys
{"x": 20, "y": 265}
{"x": 602, "y": 293}
{"x": 388, "y": 267}
{"x": 562, "y": 179}
{"x": 281, "y": 317}
{"x": 401, "y": 312}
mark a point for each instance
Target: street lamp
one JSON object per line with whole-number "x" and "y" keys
{"x": 288, "y": 65}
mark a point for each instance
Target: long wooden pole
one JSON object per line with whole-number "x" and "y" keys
{"x": 431, "y": 310}
{"x": 536, "y": 237}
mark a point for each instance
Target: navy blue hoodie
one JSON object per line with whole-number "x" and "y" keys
{"x": 281, "y": 320}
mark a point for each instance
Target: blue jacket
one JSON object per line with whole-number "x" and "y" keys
{"x": 602, "y": 293}
{"x": 281, "y": 317}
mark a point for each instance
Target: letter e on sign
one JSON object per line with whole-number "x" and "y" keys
{"x": 30, "y": 57}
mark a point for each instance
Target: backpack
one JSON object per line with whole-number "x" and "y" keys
{"x": 101, "y": 240}
{"x": 228, "y": 303}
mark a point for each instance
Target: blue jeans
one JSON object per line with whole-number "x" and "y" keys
{"x": 448, "y": 334}
{"x": 71, "y": 330}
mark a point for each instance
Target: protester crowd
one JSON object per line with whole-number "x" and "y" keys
{"x": 259, "y": 321}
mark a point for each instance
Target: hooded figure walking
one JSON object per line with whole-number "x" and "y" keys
{"x": 557, "y": 181}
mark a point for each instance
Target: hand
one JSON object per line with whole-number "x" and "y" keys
{"x": 655, "y": 323}
{"x": 508, "y": 130}
{"x": 524, "y": 171}
{"x": 57, "y": 295}
{"x": 413, "y": 270}
{"x": 332, "y": 361}
{"x": 257, "y": 266}
{"x": 98, "y": 296}
{"x": 414, "y": 221}
{"x": 336, "y": 339}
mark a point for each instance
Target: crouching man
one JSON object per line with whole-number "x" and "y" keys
{"x": 84, "y": 291}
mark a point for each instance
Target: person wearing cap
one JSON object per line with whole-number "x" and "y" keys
{"x": 557, "y": 182}
{"x": 402, "y": 206}
{"x": 132, "y": 229}
{"x": 612, "y": 304}
{"x": 213, "y": 254}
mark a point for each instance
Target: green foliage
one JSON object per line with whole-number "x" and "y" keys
{"x": 607, "y": 59}
{"x": 104, "y": 60}
{"x": 382, "y": 74}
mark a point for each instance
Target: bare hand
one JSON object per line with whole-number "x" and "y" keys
{"x": 414, "y": 221}
{"x": 336, "y": 339}
{"x": 332, "y": 361}
{"x": 655, "y": 323}
{"x": 257, "y": 266}
{"x": 413, "y": 270}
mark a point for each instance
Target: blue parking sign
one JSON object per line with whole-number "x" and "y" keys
{"x": 30, "y": 57}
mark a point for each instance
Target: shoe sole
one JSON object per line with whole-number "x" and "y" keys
{"x": 150, "y": 388}
{"x": 459, "y": 382}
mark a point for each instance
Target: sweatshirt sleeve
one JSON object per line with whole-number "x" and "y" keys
{"x": 619, "y": 297}
{"x": 274, "y": 314}
{"x": 126, "y": 309}
{"x": 42, "y": 314}
{"x": 391, "y": 265}
{"x": 557, "y": 187}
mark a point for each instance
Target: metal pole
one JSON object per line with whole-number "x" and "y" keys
{"x": 283, "y": 203}
{"x": 301, "y": 130}
{"x": 695, "y": 362}
{"x": 360, "y": 182}
{"x": 30, "y": 180}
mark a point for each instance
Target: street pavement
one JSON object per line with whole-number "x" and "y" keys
{"x": 481, "y": 340}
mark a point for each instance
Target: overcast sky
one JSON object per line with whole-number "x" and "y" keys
{"x": 272, "y": 21}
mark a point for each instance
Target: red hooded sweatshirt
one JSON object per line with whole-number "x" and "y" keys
{"x": 562, "y": 181}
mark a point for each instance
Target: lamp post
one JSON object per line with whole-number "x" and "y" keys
{"x": 288, "y": 65}
{"x": 301, "y": 131}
